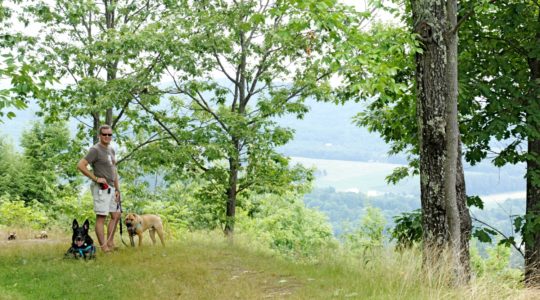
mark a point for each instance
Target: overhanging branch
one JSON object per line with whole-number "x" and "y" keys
{"x": 499, "y": 232}
{"x": 149, "y": 141}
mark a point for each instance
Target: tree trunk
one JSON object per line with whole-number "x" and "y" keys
{"x": 532, "y": 243}
{"x": 453, "y": 154}
{"x": 232, "y": 190}
{"x": 464, "y": 217}
{"x": 431, "y": 87}
{"x": 110, "y": 20}
{"x": 441, "y": 173}
{"x": 96, "y": 124}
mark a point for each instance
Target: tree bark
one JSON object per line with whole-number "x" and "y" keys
{"x": 110, "y": 20}
{"x": 453, "y": 154}
{"x": 232, "y": 190}
{"x": 96, "y": 124}
{"x": 428, "y": 18}
{"x": 441, "y": 174}
{"x": 532, "y": 243}
{"x": 464, "y": 217}
{"x": 532, "y": 210}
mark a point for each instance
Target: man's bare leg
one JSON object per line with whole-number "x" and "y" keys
{"x": 111, "y": 229}
{"x": 100, "y": 228}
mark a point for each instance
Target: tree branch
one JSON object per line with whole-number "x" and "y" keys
{"x": 150, "y": 140}
{"x": 178, "y": 142}
{"x": 291, "y": 95}
{"x": 157, "y": 120}
{"x": 216, "y": 55}
{"x": 467, "y": 15}
{"x": 120, "y": 114}
{"x": 204, "y": 105}
{"x": 82, "y": 122}
{"x": 499, "y": 232}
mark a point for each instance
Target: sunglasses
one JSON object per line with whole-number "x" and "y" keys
{"x": 106, "y": 134}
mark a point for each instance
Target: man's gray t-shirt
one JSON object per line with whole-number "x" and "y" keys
{"x": 103, "y": 162}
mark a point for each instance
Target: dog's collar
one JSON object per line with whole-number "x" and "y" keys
{"x": 89, "y": 249}
{"x": 133, "y": 229}
{"x": 137, "y": 225}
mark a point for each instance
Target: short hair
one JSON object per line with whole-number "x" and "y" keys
{"x": 104, "y": 126}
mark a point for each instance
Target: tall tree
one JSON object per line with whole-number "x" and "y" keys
{"x": 45, "y": 170}
{"x": 102, "y": 52}
{"x": 421, "y": 120}
{"x": 237, "y": 66}
{"x": 500, "y": 61}
{"x": 498, "y": 102}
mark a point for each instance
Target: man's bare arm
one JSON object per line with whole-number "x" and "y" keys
{"x": 82, "y": 165}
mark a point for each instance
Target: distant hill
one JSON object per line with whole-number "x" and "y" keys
{"x": 327, "y": 132}
{"x": 348, "y": 157}
{"x": 351, "y": 158}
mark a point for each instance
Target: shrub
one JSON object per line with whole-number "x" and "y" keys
{"x": 286, "y": 225}
{"x": 408, "y": 229}
{"x": 15, "y": 212}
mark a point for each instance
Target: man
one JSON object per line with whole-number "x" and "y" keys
{"x": 104, "y": 187}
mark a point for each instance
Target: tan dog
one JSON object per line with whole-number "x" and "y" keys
{"x": 137, "y": 224}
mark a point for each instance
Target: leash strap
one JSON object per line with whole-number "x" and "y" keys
{"x": 119, "y": 207}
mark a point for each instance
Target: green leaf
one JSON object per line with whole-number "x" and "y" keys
{"x": 518, "y": 223}
{"x": 475, "y": 201}
{"x": 482, "y": 235}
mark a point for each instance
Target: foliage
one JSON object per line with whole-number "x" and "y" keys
{"x": 15, "y": 212}
{"x": 65, "y": 208}
{"x": 344, "y": 208}
{"x": 496, "y": 264}
{"x": 408, "y": 229}
{"x": 104, "y": 54}
{"x": 392, "y": 112}
{"x": 13, "y": 169}
{"x": 183, "y": 204}
{"x": 368, "y": 234}
{"x": 51, "y": 155}
{"x": 270, "y": 58}
{"x": 286, "y": 226}
{"x": 500, "y": 91}
{"x": 176, "y": 205}
{"x": 25, "y": 76}
{"x": 45, "y": 170}
{"x": 496, "y": 79}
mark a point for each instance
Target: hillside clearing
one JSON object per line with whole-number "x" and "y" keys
{"x": 208, "y": 267}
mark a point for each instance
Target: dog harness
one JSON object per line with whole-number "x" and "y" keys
{"x": 83, "y": 252}
{"x": 88, "y": 250}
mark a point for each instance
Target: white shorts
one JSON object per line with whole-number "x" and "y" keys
{"x": 104, "y": 200}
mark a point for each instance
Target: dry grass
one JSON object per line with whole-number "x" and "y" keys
{"x": 206, "y": 266}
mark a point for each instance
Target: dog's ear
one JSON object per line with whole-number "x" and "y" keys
{"x": 75, "y": 224}
{"x": 86, "y": 225}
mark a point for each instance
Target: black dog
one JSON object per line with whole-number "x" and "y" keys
{"x": 82, "y": 245}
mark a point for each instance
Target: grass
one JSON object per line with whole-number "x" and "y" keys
{"x": 201, "y": 266}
